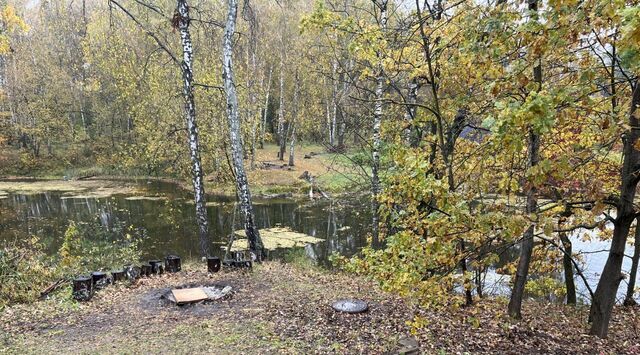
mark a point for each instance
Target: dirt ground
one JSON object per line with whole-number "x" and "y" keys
{"x": 274, "y": 309}
{"x": 283, "y": 308}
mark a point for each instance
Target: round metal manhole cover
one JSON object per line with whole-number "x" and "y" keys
{"x": 350, "y": 306}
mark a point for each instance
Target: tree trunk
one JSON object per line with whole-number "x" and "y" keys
{"x": 253, "y": 110}
{"x": 377, "y": 122}
{"x": 468, "y": 296}
{"x": 192, "y": 126}
{"x": 633, "y": 274}
{"x": 242, "y": 186}
{"x": 292, "y": 143}
{"x": 342, "y": 117}
{"x": 526, "y": 247}
{"x": 265, "y": 110}
{"x": 567, "y": 265}
{"x": 605, "y": 294}
{"x": 294, "y": 116}
{"x": 410, "y": 135}
{"x": 334, "y": 105}
{"x": 281, "y": 129}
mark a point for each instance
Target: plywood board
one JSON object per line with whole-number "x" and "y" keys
{"x": 189, "y": 295}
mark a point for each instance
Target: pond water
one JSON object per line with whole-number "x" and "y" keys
{"x": 164, "y": 210}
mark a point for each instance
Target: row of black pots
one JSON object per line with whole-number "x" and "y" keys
{"x": 85, "y": 286}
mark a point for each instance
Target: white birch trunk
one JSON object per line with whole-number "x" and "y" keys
{"x": 253, "y": 110}
{"x": 265, "y": 109}
{"x": 294, "y": 116}
{"x": 242, "y": 186}
{"x": 334, "y": 105}
{"x": 377, "y": 122}
{"x": 281, "y": 134}
{"x": 192, "y": 126}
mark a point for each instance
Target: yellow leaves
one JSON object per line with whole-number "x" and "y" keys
{"x": 5, "y": 46}
{"x": 12, "y": 22}
{"x": 417, "y": 323}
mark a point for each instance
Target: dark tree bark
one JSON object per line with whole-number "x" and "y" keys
{"x": 526, "y": 247}
{"x": 567, "y": 265}
{"x": 181, "y": 21}
{"x": 242, "y": 186}
{"x": 605, "y": 294}
{"x": 633, "y": 274}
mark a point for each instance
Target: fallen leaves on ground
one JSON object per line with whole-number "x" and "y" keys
{"x": 281, "y": 308}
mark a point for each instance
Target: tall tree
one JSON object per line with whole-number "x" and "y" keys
{"x": 605, "y": 294}
{"x": 282, "y": 136}
{"x": 265, "y": 108}
{"x": 381, "y": 6}
{"x": 181, "y": 21}
{"x": 531, "y": 191}
{"x": 242, "y": 185}
{"x": 294, "y": 116}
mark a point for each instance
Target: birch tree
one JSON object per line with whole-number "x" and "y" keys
{"x": 265, "y": 108}
{"x": 381, "y": 6}
{"x": 282, "y": 138}
{"x": 294, "y": 116}
{"x": 182, "y": 21}
{"x": 242, "y": 185}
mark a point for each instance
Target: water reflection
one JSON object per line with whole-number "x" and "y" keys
{"x": 170, "y": 223}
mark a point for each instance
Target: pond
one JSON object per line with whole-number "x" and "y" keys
{"x": 166, "y": 212}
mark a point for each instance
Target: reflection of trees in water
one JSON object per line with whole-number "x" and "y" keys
{"x": 171, "y": 226}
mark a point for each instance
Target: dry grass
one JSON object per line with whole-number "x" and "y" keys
{"x": 330, "y": 170}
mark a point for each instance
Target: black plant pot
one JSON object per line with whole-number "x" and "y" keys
{"x": 213, "y": 264}
{"x": 172, "y": 263}
{"x": 156, "y": 267}
{"x": 132, "y": 272}
{"x": 82, "y": 288}
{"x": 118, "y": 275}
{"x": 145, "y": 270}
{"x": 100, "y": 279}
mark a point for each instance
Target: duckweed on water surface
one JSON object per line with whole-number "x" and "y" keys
{"x": 274, "y": 238}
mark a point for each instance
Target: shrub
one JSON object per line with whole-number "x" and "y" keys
{"x": 91, "y": 246}
{"x": 25, "y": 270}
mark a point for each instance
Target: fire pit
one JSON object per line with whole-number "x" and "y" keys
{"x": 189, "y": 295}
